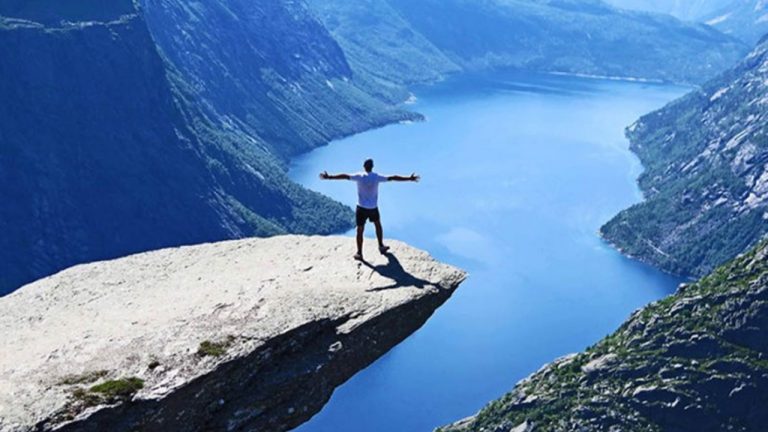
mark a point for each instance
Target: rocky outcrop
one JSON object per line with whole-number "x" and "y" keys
{"x": 706, "y": 174}
{"x": 241, "y": 335}
{"x": 695, "y": 361}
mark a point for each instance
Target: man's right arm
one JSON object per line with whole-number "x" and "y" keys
{"x": 325, "y": 176}
{"x": 413, "y": 178}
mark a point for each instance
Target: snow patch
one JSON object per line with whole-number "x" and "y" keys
{"x": 718, "y": 94}
{"x": 718, "y": 20}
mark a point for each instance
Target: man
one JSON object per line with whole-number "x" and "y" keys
{"x": 367, "y": 201}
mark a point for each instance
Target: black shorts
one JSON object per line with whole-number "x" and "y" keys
{"x": 363, "y": 214}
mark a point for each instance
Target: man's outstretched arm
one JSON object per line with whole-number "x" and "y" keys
{"x": 413, "y": 177}
{"x": 325, "y": 176}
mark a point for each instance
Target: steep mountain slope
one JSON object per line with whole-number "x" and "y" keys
{"x": 568, "y": 36}
{"x": 274, "y": 70}
{"x": 692, "y": 362}
{"x": 706, "y": 177}
{"x": 688, "y": 10}
{"x": 110, "y": 147}
{"x": 745, "y": 19}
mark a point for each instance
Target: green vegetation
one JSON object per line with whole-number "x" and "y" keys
{"x": 699, "y": 154}
{"x": 696, "y": 347}
{"x": 215, "y": 349}
{"x": 119, "y": 389}
{"x": 108, "y": 392}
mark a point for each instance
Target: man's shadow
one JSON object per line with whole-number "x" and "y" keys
{"x": 395, "y": 271}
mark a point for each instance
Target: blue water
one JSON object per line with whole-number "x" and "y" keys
{"x": 518, "y": 173}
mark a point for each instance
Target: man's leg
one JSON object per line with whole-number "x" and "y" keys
{"x": 376, "y": 219}
{"x": 360, "y": 231}
{"x": 379, "y": 233}
{"x": 360, "y": 218}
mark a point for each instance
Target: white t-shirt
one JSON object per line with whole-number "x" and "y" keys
{"x": 368, "y": 188}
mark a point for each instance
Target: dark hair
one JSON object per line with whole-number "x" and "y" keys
{"x": 368, "y": 165}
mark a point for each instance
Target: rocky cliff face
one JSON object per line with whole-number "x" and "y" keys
{"x": 242, "y": 335}
{"x": 706, "y": 174}
{"x": 695, "y": 361}
{"x": 270, "y": 68}
{"x": 126, "y": 129}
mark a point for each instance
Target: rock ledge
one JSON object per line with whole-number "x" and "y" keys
{"x": 242, "y": 335}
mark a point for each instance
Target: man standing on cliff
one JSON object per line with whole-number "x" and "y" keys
{"x": 367, "y": 201}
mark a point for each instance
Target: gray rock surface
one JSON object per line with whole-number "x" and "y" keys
{"x": 241, "y": 335}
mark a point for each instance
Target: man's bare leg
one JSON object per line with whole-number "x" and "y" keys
{"x": 380, "y": 236}
{"x": 360, "y": 231}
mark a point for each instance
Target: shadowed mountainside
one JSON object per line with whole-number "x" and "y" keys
{"x": 112, "y": 146}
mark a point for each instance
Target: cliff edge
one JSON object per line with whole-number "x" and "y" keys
{"x": 242, "y": 335}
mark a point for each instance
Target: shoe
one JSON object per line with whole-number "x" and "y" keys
{"x": 358, "y": 257}
{"x": 384, "y": 249}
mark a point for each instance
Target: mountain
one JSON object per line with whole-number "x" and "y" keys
{"x": 706, "y": 174}
{"x": 687, "y": 10}
{"x": 566, "y": 36}
{"x": 693, "y": 362}
{"x": 271, "y": 68}
{"x": 744, "y": 19}
{"x": 128, "y": 128}
{"x": 381, "y": 43}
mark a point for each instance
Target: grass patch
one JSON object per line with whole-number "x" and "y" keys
{"x": 214, "y": 349}
{"x": 108, "y": 392}
{"x": 119, "y": 389}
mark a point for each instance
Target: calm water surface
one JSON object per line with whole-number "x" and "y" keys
{"x": 518, "y": 173}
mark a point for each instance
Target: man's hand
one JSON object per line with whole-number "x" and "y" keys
{"x": 325, "y": 176}
{"x": 414, "y": 177}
